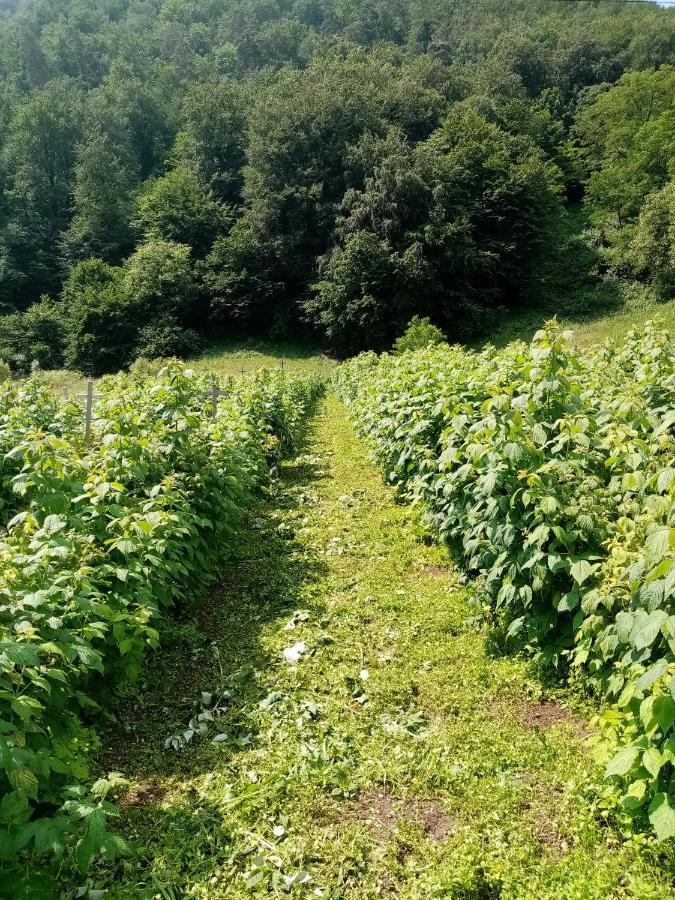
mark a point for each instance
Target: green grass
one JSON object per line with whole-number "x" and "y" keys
{"x": 398, "y": 757}
{"x": 232, "y": 357}
{"x": 227, "y": 357}
{"x": 587, "y": 329}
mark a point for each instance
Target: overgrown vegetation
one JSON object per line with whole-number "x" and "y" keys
{"x": 326, "y": 167}
{"x": 100, "y": 539}
{"x": 395, "y": 754}
{"x": 553, "y": 475}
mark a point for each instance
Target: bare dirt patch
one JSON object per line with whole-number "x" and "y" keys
{"x": 547, "y": 833}
{"x": 383, "y": 813}
{"x": 435, "y": 821}
{"x": 143, "y": 793}
{"x": 534, "y": 716}
{"x": 547, "y": 714}
{"x": 435, "y": 571}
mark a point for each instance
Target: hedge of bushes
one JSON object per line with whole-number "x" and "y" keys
{"x": 104, "y": 536}
{"x": 552, "y": 472}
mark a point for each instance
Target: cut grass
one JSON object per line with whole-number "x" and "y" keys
{"x": 397, "y": 757}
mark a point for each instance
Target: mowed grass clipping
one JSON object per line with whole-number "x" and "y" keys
{"x": 386, "y": 754}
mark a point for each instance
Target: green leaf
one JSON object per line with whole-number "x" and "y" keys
{"x": 622, "y": 762}
{"x": 651, "y": 675}
{"x": 652, "y": 761}
{"x": 569, "y": 601}
{"x": 646, "y": 628}
{"x": 663, "y": 711}
{"x": 21, "y": 653}
{"x": 662, "y": 817}
{"x": 581, "y": 570}
{"x": 15, "y": 809}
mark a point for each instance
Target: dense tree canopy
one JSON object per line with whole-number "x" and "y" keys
{"x": 335, "y": 165}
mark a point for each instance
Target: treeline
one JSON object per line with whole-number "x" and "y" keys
{"x": 169, "y": 170}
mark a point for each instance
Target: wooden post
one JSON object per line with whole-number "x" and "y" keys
{"x": 89, "y": 396}
{"x": 214, "y": 397}
{"x": 282, "y": 367}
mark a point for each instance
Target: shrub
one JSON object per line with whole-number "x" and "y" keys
{"x": 653, "y": 243}
{"x": 418, "y": 335}
{"x": 35, "y": 338}
{"x": 553, "y": 475}
{"x": 175, "y": 207}
{"x": 101, "y": 327}
{"x": 144, "y": 365}
{"x": 159, "y": 282}
{"x": 107, "y": 536}
{"x": 166, "y": 338}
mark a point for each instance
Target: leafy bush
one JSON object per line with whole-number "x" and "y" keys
{"x": 159, "y": 281}
{"x": 653, "y": 244}
{"x": 553, "y": 474}
{"x": 418, "y": 335}
{"x": 175, "y": 207}
{"x": 144, "y": 365}
{"x": 167, "y": 338}
{"x": 451, "y": 228}
{"x": 103, "y": 538}
{"x": 33, "y": 338}
{"x": 101, "y": 326}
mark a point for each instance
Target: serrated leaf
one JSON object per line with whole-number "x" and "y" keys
{"x": 652, "y": 761}
{"x": 622, "y": 762}
{"x": 647, "y": 628}
{"x": 581, "y": 570}
{"x": 662, "y": 817}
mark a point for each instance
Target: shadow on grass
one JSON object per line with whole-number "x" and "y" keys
{"x": 216, "y": 648}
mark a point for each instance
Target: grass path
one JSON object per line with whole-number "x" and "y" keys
{"x": 396, "y": 758}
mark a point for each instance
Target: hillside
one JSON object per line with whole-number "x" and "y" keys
{"x": 175, "y": 175}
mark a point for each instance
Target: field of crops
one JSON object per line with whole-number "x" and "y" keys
{"x": 551, "y": 475}
{"x": 98, "y": 539}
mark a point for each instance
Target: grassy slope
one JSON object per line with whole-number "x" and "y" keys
{"x": 236, "y": 356}
{"x": 438, "y": 775}
{"x": 586, "y": 329}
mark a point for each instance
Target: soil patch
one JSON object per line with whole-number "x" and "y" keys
{"x": 143, "y": 793}
{"x": 383, "y": 812}
{"x": 546, "y": 714}
{"x": 435, "y": 571}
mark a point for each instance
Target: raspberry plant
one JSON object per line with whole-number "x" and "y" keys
{"x": 552, "y": 473}
{"x": 100, "y": 539}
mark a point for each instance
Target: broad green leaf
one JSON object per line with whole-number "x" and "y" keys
{"x": 652, "y": 761}
{"x": 622, "y": 762}
{"x": 662, "y": 817}
{"x": 581, "y": 570}
{"x": 646, "y": 628}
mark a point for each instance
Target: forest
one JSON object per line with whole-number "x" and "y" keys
{"x": 328, "y": 168}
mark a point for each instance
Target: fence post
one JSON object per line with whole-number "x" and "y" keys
{"x": 214, "y": 397}
{"x": 89, "y": 410}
